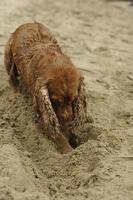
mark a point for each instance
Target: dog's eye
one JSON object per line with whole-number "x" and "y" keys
{"x": 55, "y": 104}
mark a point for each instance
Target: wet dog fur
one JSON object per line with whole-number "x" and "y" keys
{"x": 33, "y": 53}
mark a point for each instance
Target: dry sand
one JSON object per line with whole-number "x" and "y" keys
{"x": 98, "y": 35}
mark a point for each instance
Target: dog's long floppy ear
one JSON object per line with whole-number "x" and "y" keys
{"x": 48, "y": 119}
{"x": 45, "y": 110}
{"x": 80, "y": 106}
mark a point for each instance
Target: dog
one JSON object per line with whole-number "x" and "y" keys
{"x": 33, "y": 54}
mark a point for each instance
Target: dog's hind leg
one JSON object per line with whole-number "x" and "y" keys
{"x": 11, "y": 67}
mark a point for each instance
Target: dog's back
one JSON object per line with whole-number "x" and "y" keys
{"x": 31, "y": 40}
{"x": 27, "y": 45}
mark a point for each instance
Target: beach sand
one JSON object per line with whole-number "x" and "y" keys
{"x": 98, "y": 36}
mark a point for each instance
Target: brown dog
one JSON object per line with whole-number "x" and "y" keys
{"x": 51, "y": 78}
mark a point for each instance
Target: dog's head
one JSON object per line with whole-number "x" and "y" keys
{"x": 63, "y": 82}
{"x": 63, "y": 90}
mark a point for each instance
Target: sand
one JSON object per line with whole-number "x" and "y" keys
{"x": 98, "y": 36}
